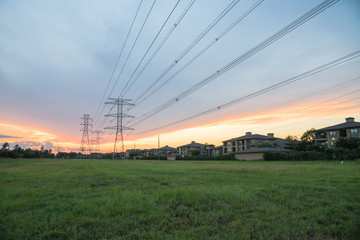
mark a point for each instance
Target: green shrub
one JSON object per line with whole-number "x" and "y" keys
{"x": 206, "y": 158}
{"x": 276, "y": 156}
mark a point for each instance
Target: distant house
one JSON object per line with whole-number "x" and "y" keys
{"x": 165, "y": 151}
{"x": 328, "y": 136}
{"x": 205, "y": 149}
{"x": 217, "y": 151}
{"x": 251, "y": 141}
{"x": 132, "y": 152}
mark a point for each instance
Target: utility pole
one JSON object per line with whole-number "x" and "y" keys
{"x": 85, "y": 136}
{"x": 119, "y": 103}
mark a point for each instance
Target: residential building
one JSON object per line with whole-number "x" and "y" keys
{"x": 217, "y": 151}
{"x": 165, "y": 151}
{"x": 205, "y": 149}
{"x": 250, "y": 141}
{"x": 328, "y": 136}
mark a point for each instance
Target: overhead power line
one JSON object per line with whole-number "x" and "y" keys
{"x": 268, "y": 89}
{"x": 116, "y": 64}
{"x": 127, "y": 86}
{"x": 192, "y": 45}
{"x": 142, "y": 98}
{"x": 132, "y": 47}
{"x": 290, "y": 27}
{"x": 176, "y": 24}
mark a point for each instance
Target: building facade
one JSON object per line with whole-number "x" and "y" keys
{"x": 205, "y": 149}
{"x": 327, "y": 137}
{"x": 251, "y": 141}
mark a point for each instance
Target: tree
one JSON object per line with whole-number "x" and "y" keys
{"x": 5, "y": 146}
{"x": 348, "y": 143}
{"x": 292, "y": 141}
{"x": 308, "y": 136}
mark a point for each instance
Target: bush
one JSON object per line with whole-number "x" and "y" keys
{"x": 328, "y": 154}
{"x": 342, "y": 154}
{"x": 307, "y": 156}
{"x": 276, "y": 156}
{"x": 195, "y": 153}
{"x": 207, "y": 158}
{"x": 348, "y": 143}
{"x": 153, "y": 158}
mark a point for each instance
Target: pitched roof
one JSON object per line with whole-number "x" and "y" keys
{"x": 167, "y": 148}
{"x": 252, "y": 136}
{"x": 192, "y": 144}
{"x": 340, "y": 126}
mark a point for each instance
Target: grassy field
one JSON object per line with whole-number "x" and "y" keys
{"x": 98, "y": 199}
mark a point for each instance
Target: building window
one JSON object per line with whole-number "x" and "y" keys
{"x": 354, "y": 132}
{"x": 332, "y": 134}
{"x": 332, "y": 143}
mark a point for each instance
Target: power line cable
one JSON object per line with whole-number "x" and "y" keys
{"x": 105, "y": 47}
{"x": 129, "y": 54}
{"x": 267, "y": 89}
{"x": 127, "y": 86}
{"x": 290, "y": 27}
{"x": 182, "y": 15}
{"x": 193, "y": 44}
{"x": 132, "y": 48}
{"x": 141, "y": 98}
{"x": 176, "y": 24}
{"x": 116, "y": 64}
{"x": 306, "y": 96}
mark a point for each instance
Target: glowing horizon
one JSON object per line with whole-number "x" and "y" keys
{"x": 273, "y": 121}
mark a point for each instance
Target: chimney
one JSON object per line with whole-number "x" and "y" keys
{"x": 270, "y": 135}
{"x": 248, "y": 133}
{"x": 350, "y": 119}
{"x": 192, "y": 142}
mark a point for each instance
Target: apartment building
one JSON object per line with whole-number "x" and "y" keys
{"x": 328, "y": 136}
{"x": 250, "y": 141}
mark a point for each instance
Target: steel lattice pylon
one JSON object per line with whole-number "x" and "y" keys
{"x": 85, "y": 140}
{"x": 119, "y": 115}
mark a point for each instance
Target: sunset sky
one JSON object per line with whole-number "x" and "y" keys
{"x": 62, "y": 59}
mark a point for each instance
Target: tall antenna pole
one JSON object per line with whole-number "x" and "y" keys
{"x": 119, "y": 128}
{"x": 85, "y": 136}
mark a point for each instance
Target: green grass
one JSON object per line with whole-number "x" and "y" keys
{"x": 97, "y": 199}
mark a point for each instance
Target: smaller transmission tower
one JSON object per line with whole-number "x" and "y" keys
{"x": 96, "y": 140}
{"x": 85, "y": 136}
{"x": 119, "y": 103}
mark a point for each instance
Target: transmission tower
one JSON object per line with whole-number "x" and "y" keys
{"x": 96, "y": 141}
{"x": 119, "y": 103}
{"x": 85, "y": 136}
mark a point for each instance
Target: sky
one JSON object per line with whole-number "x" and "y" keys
{"x": 188, "y": 58}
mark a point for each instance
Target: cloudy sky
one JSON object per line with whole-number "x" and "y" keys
{"x": 176, "y": 59}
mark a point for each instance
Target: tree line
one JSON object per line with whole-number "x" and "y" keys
{"x": 19, "y": 152}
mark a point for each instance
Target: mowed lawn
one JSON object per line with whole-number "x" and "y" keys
{"x": 104, "y": 199}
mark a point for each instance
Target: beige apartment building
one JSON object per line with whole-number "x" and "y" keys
{"x": 328, "y": 136}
